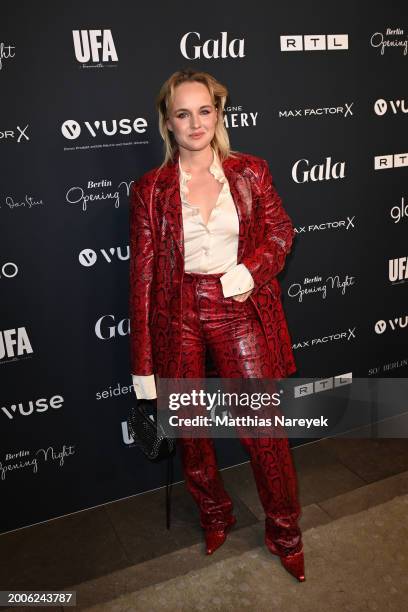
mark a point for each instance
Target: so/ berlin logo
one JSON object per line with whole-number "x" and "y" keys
{"x": 96, "y": 46}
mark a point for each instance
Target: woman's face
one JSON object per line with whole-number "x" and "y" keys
{"x": 192, "y": 117}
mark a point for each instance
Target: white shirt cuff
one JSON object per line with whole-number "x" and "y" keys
{"x": 144, "y": 386}
{"x": 237, "y": 280}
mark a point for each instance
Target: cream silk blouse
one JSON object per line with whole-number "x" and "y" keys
{"x": 208, "y": 249}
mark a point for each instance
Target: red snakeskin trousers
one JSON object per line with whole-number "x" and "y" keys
{"x": 233, "y": 334}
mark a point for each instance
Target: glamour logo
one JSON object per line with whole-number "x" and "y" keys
{"x": 97, "y": 45}
{"x": 381, "y": 107}
{"x": 301, "y": 173}
{"x": 393, "y": 38}
{"x": 106, "y": 331}
{"x": 213, "y": 48}
{"x": 314, "y": 42}
{"x": 345, "y": 335}
{"x": 29, "y": 407}
{"x": 346, "y": 224}
{"x": 8, "y": 270}
{"x": 6, "y": 52}
{"x": 395, "y": 160}
{"x": 97, "y": 191}
{"x": 71, "y": 129}
{"x": 323, "y": 385}
{"x": 398, "y": 269}
{"x": 398, "y": 322}
{"x": 320, "y": 286}
{"x": 20, "y": 136}
{"x": 88, "y": 257}
{"x": 236, "y": 117}
{"x": 28, "y": 202}
{"x": 399, "y": 212}
{"x": 14, "y": 342}
{"x": 338, "y": 111}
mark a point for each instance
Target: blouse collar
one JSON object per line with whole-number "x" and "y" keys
{"x": 215, "y": 169}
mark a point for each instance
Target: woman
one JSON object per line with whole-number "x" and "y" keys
{"x": 208, "y": 235}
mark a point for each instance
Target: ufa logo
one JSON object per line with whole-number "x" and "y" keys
{"x": 14, "y": 342}
{"x": 94, "y": 44}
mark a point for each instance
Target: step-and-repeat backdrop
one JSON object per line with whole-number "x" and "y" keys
{"x": 321, "y": 94}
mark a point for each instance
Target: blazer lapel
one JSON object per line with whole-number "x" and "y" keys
{"x": 172, "y": 207}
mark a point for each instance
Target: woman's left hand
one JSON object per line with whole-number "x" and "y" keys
{"x": 241, "y": 297}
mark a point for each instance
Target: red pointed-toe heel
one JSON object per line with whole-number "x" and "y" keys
{"x": 215, "y": 538}
{"x": 294, "y": 564}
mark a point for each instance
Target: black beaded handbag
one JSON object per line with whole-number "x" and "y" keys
{"x": 151, "y": 438}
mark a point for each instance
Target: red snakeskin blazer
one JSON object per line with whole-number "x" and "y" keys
{"x": 157, "y": 262}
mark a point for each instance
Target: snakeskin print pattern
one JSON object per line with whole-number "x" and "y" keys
{"x": 233, "y": 334}
{"x": 157, "y": 262}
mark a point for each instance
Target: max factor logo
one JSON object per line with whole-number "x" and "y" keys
{"x": 347, "y": 335}
{"x": 398, "y": 269}
{"x": 381, "y": 107}
{"x": 398, "y": 323}
{"x": 301, "y": 173}
{"x": 346, "y": 224}
{"x": 314, "y": 42}
{"x": 213, "y": 48}
{"x": 323, "y": 385}
{"x": 97, "y": 45}
{"x": 20, "y": 136}
{"x": 88, "y": 257}
{"x": 395, "y": 160}
{"x": 345, "y": 111}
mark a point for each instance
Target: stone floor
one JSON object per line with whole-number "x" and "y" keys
{"x": 124, "y": 546}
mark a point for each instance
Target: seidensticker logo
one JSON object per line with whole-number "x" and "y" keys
{"x": 72, "y": 130}
{"x": 94, "y": 45}
{"x": 89, "y": 257}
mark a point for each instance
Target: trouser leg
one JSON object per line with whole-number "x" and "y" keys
{"x": 198, "y": 455}
{"x": 239, "y": 349}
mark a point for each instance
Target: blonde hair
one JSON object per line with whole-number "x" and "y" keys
{"x": 218, "y": 93}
